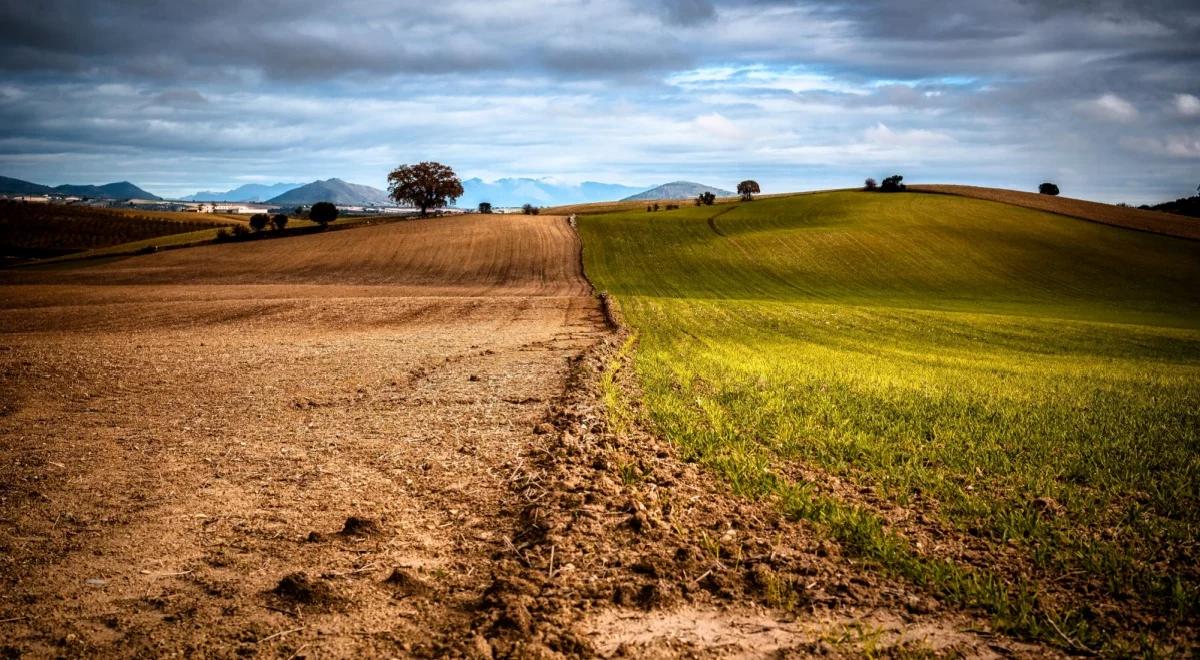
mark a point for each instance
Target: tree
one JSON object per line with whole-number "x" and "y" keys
{"x": 426, "y": 185}
{"x": 1048, "y": 189}
{"x": 485, "y": 207}
{"x": 747, "y": 189}
{"x": 259, "y": 221}
{"x": 530, "y": 209}
{"x": 893, "y": 183}
{"x": 323, "y": 213}
{"x": 705, "y": 199}
{"x": 869, "y": 184}
{"x": 279, "y": 221}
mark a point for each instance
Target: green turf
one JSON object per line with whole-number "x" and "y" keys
{"x": 957, "y": 358}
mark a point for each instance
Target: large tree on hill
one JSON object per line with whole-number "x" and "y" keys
{"x": 426, "y": 185}
{"x": 1048, "y": 189}
{"x": 747, "y": 189}
{"x": 323, "y": 213}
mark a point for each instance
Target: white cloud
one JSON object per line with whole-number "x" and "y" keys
{"x": 1110, "y": 107}
{"x": 720, "y": 126}
{"x": 1187, "y": 105}
{"x": 880, "y": 134}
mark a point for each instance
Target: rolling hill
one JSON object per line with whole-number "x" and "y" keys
{"x": 929, "y": 378}
{"x": 333, "y": 190}
{"x": 119, "y": 190}
{"x": 676, "y": 190}
{"x": 1157, "y": 222}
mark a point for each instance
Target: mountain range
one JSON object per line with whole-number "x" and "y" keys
{"x": 119, "y": 190}
{"x": 250, "y": 192}
{"x": 676, "y": 190}
{"x": 539, "y": 192}
{"x": 500, "y": 193}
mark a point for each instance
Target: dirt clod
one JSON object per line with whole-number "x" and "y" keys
{"x": 300, "y": 588}
{"x": 404, "y": 583}
{"x": 356, "y": 526}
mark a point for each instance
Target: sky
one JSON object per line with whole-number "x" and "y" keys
{"x": 1100, "y": 96}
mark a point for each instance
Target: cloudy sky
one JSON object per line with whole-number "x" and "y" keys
{"x": 1100, "y": 96}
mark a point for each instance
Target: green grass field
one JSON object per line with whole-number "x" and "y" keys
{"x": 997, "y": 404}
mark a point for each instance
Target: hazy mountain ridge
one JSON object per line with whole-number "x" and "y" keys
{"x": 250, "y": 192}
{"x": 336, "y": 191}
{"x": 118, "y": 190}
{"x": 539, "y": 192}
{"x": 676, "y": 190}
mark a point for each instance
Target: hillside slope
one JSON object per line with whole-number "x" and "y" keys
{"x": 42, "y": 230}
{"x": 468, "y": 255}
{"x": 1156, "y": 222}
{"x": 963, "y": 392}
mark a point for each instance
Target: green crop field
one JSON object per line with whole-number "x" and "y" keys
{"x": 999, "y": 405}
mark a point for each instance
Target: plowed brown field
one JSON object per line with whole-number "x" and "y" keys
{"x": 378, "y": 442}
{"x": 176, "y": 425}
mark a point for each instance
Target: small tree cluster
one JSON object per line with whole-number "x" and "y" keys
{"x": 530, "y": 209}
{"x": 1048, "y": 189}
{"x": 650, "y": 208}
{"x": 870, "y": 184}
{"x": 279, "y": 221}
{"x": 705, "y": 199}
{"x": 485, "y": 207}
{"x": 259, "y": 222}
{"x": 893, "y": 183}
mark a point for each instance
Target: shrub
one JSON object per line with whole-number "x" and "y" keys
{"x": 279, "y": 221}
{"x": 706, "y": 199}
{"x": 259, "y": 221}
{"x": 1048, "y": 189}
{"x": 222, "y": 235}
{"x": 672, "y": 207}
{"x": 240, "y": 232}
{"x": 870, "y": 184}
{"x": 485, "y": 207}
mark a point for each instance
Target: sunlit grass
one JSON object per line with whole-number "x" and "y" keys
{"x": 1017, "y": 377}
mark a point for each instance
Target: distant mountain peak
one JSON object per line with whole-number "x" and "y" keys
{"x": 335, "y": 191}
{"x": 676, "y": 190}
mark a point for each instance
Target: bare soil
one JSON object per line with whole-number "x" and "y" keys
{"x": 382, "y": 442}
